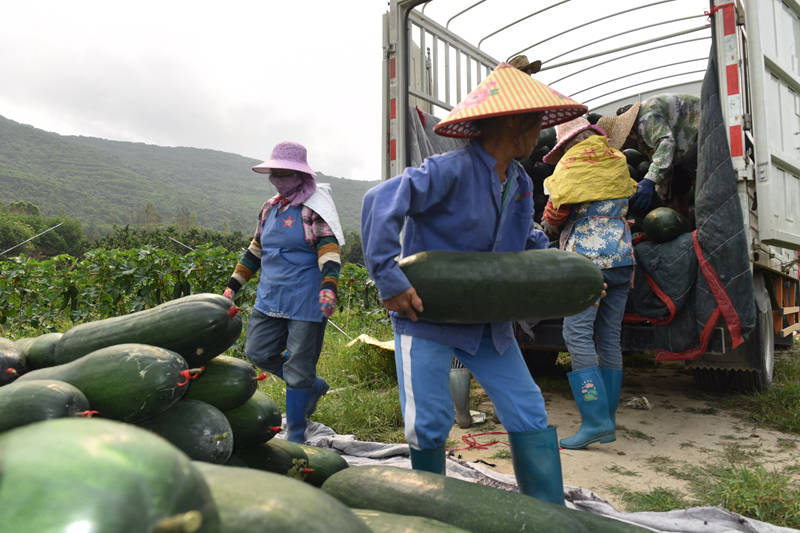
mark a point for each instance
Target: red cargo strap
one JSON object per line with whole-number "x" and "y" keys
{"x": 722, "y": 298}
{"x": 472, "y": 443}
{"x": 692, "y": 353}
{"x": 724, "y": 308}
{"x": 632, "y": 317}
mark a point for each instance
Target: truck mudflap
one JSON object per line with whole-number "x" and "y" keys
{"x": 689, "y": 285}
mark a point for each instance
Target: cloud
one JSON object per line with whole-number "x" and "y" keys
{"x": 238, "y": 79}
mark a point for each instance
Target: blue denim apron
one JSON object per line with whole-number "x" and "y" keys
{"x": 290, "y": 278}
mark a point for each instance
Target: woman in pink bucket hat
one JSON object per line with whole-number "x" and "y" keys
{"x": 589, "y": 191}
{"x": 296, "y": 246}
{"x": 475, "y": 198}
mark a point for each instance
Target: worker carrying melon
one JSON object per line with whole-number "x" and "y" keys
{"x": 476, "y": 198}
{"x": 664, "y": 127}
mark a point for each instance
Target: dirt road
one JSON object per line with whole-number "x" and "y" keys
{"x": 682, "y": 429}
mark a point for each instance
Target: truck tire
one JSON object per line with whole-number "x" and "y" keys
{"x": 762, "y": 341}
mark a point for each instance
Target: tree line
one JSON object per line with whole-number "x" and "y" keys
{"x": 25, "y": 231}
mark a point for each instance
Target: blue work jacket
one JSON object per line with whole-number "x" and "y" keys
{"x": 451, "y": 202}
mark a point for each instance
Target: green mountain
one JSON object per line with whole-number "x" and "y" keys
{"x": 103, "y": 183}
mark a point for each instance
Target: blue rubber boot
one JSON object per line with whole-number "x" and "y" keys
{"x": 296, "y": 401}
{"x": 428, "y": 460}
{"x": 589, "y": 392}
{"x": 537, "y": 464}
{"x": 612, "y": 379}
{"x": 318, "y": 389}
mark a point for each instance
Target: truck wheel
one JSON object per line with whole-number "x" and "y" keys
{"x": 762, "y": 345}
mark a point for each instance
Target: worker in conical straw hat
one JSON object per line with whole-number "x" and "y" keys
{"x": 475, "y": 198}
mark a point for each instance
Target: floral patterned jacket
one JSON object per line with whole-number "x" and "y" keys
{"x": 598, "y": 231}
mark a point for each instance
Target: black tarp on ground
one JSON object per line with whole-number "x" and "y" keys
{"x": 706, "y": 274}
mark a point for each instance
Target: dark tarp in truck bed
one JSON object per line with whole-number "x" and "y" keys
{"x": 705, "y": 274}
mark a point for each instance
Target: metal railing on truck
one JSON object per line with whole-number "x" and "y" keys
{"x": 430, "y": 66}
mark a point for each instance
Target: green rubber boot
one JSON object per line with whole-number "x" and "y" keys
{"x": 428, "y": 460}
{"x": 537, "y": 464}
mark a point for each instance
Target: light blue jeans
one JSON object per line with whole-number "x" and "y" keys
{"x": 267, "y": 337}
{"x": 595, "y": 332}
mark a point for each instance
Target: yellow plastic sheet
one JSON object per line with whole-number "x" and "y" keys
{"x": 372, "y": 341}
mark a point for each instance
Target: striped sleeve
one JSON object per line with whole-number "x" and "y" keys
{"x": 555, "y": 217}
{"x": 250, "y": 261}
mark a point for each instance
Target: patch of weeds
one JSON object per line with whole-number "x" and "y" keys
{"x": 636, "y": 434}
{"x": 660, "y": 460}
{"x": 675, "y": 469}
{"x": 476, "y": 397}
{"x": 732, "y": 437}
{"x": 737, "y": 453}
{"x": 701, "y": 410}
{"x": 778, "y": 407}
{"x": 787, "y": 444}
{"x": 502, "y": 454}
{"x": 688, "y": 444}
{"x": 616, "y": 469}
{"x": 658, "y": 499}
{"x": 767, "y": 495}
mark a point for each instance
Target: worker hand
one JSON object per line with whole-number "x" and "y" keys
{"x": 228, "y": 293}
{"x": 327, "y": 302}
{"x": 640, "y": 202}
{"x": 602, "y": 295}
{"x": 551, "y": 231}
{"x": 406, "y": 304}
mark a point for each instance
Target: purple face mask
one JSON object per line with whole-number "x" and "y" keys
{"x": 297, "y": 187}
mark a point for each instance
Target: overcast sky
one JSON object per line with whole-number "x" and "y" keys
{"x": 237, "y": 76}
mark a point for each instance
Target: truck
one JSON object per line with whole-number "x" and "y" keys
{"x": 742, "y": 52}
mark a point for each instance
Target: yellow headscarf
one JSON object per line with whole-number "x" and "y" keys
{"x": 588, "y": 172}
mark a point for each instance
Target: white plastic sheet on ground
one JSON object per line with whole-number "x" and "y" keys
{"x": 691, "y": 520}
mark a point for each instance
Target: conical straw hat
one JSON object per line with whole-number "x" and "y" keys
{"x": 618, "y": 127}
{"x": 508, "y": 91}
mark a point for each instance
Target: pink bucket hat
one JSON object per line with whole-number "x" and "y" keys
{"x": 286, "y": 155}
{"x": 565, "y": 132}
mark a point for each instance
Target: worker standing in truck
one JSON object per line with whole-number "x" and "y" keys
{"x": 665, "y": 128}
{"x": 475, "y": 198}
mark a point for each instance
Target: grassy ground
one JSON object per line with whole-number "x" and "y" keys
{"x": 740, "y": 481}
{"x": 363, "y": 399}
